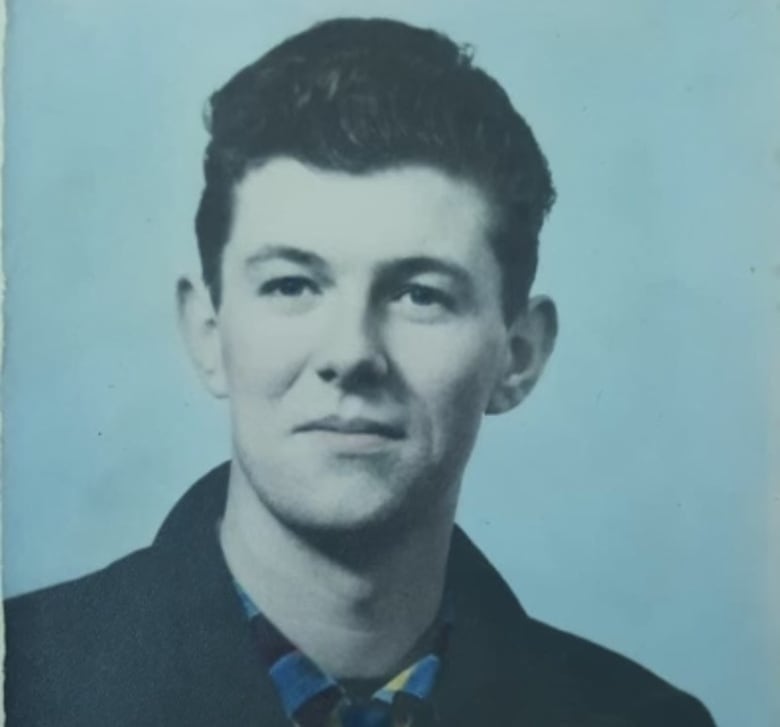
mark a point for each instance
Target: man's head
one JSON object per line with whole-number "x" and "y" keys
{"x": 368, "y": 234}
{"x": 359, "y": 96}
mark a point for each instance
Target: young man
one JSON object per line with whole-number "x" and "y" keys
{"x": 368, "y": 235}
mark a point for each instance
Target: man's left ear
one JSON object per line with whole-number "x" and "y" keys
{"x": 530, "y": 341}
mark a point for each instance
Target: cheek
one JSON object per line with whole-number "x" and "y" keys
{"x": 261, "y": 359}
{"x": 453, "y": 375}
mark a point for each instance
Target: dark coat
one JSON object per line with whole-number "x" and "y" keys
{"x": 159, "y": 638}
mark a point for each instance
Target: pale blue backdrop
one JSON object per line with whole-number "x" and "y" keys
{"x": 631, "y": 499}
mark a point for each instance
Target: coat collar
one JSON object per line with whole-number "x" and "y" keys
{"x": 230, "y": 683}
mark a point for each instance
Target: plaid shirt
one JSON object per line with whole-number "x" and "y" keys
{"x": 311, "y": 698}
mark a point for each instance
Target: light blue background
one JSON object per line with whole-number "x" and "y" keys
{"x": 631, "y": 500}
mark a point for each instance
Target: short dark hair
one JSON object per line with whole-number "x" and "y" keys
{"x": 361, "y": 95}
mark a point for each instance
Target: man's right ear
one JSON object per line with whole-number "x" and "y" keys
{"x": 198, "y": 325}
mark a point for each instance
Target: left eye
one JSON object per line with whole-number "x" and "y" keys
{"x": 425, "y": 296}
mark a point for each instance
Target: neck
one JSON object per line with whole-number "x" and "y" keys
{"x": 357, "y": 605}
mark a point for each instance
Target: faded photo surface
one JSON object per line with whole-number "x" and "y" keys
{"x": 348, "y": 309}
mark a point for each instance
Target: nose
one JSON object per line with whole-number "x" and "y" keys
{"x": 351, "y": 351}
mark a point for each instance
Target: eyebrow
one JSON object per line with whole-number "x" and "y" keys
{"x": 419, "y": 264}
{"x": 286, "y": 252}
{"x": 400, "y": 267}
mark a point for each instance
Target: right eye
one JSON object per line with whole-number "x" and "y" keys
{"x": 289, "y": 294}
{"x": 288, "y": 286}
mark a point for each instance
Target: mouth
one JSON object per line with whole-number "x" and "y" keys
{"x": 356, "y": 426}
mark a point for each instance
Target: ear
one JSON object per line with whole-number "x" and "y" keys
{"x": 530, "y": 341}
{"x": 198, "y": 325}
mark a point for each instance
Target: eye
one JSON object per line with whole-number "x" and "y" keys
{"x": 289, "y": 294}
{"x": 425, "y": 295}
{"x": 288, "y": 286}
{"x": 423, "y": 302}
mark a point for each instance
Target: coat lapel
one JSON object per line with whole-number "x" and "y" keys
{"x": 219, "y": 677}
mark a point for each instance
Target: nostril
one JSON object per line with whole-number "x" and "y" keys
{"x": 328, "y": 374}
{"x": 364, "y": 373}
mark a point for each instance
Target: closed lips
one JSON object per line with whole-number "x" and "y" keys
{"x": 352, "y": 426}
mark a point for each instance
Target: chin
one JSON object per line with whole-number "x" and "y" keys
{"x": 343, "y": 508}
{"x": 340, "y": 499}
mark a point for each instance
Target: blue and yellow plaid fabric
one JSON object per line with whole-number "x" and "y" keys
{"x": 311, "y": 698}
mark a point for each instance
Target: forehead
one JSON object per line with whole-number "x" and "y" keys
{"x": 409, "y": 210}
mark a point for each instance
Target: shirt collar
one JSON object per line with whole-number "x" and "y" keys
{"x": 309, "y": 696}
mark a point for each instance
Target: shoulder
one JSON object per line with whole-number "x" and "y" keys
{"x": 87, "y": 604}
{"x": 539, "y": 673}
{"x": 141, "y": 589}
{"x": 157, "y": 637}
{"x": 62, "y": 639}
{"x": 603, "y": 686}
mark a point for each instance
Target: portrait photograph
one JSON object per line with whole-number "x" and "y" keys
{"x": 391, "y": 364}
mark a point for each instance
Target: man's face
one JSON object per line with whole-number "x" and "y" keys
{"x": 360, "y": 339}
